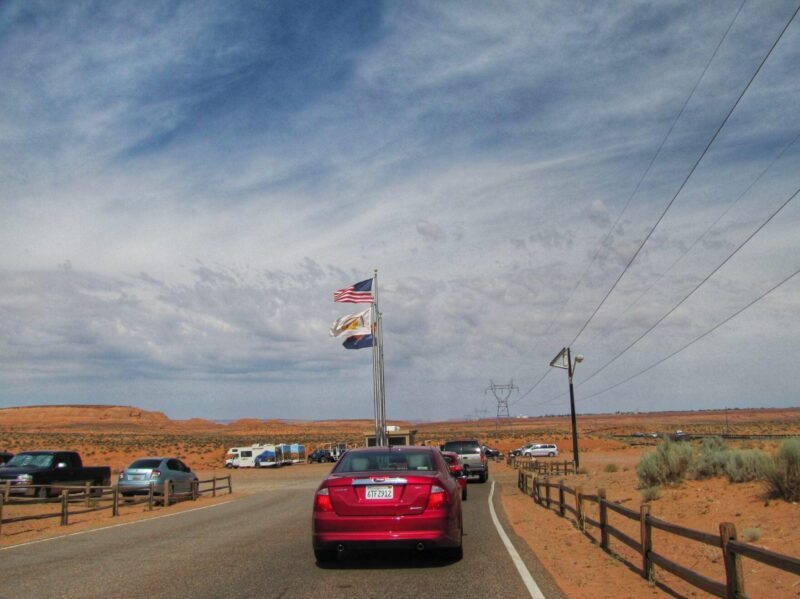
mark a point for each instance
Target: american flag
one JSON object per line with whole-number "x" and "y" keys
{"x": 360, "y": 293}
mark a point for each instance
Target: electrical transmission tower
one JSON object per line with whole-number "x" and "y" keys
{"x": 501, "y": 394}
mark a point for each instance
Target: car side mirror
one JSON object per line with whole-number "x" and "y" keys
{"x": 188, "y": 469}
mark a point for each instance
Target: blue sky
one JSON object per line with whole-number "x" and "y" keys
{"x": 186, "y": 184}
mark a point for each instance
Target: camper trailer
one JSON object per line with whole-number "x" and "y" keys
{"x": 286, "y": 453}
{"x": 298, "y": 453}
{"x": 270, "y": 457}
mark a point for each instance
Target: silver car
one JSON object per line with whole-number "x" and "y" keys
{"x": 137, "y": 477}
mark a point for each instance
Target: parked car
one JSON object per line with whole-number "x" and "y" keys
{"x": 137, "y": 477}
{"x": 471, "y": 454}
{"x": 320, "y": 455}
{"x": 5, "y": 456}
{"x": 399, "y": 496}
{"x": 457, "y": 470}
{"x": 520, "y": 450}
{"x": 52, "y": 468}
{"x": 549, "y": 450}
{"x": 491, "y": 452}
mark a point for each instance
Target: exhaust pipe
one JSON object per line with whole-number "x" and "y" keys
{"x": 340, "y": 548}
{"x": 420, "y": 546}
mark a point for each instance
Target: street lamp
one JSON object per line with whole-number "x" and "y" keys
{"x": 564, "y": 360}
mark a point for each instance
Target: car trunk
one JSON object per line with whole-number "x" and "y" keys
{"x": 392, "y": 494}
{"x": 138, "y": 473}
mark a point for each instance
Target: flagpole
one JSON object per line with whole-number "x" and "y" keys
{"x": 375, "y": 392}
{"x": 377, "y": 361}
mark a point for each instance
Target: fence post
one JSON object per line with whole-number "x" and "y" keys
{"x": 165, "y": 490}
{"x": 230, "y": 485}
{"x": 7, "y": 490}
{"x": 115, "y": 502}
{"x": 601, "y": 495}
{"x": 1, "y": 513}
{"x": 64, "y": 507}
{"x": 87, "y": 491}
{"x": 150, "y": 496}
{"x": 534, "y": 492}
{"x": 647, "y": 541}
{"x": 561, "y": 497}
{"x": 579, "y": 506}
{"x": 734, "y": 577}
{"x": 547, "y": 491}
{"x": 214, "y": 486}
{"x": 195, "y": 489}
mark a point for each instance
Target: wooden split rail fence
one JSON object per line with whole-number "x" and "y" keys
{"x": 543, "y": 466}
{"x": 75, "y": 500}
{"x": 554, "y": 495}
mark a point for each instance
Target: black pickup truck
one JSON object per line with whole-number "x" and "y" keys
{"x": 53, "y": 468}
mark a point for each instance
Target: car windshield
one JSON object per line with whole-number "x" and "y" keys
{"x": 146, "y": 464}
{"x": 31, "y": 459}
{"x": 462, "y": 447}
{"x": 386, "y": 460}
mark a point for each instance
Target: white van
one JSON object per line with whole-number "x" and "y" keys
{"x": 541, "y": 450}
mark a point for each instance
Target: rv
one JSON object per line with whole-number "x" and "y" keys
{"x": 244, "y": 457}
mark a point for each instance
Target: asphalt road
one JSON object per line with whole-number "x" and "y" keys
{"x": 259, "y": 546}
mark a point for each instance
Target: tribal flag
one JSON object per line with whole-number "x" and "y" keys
{"x": 352, "y": 324}
{"x": 359, "y": 293}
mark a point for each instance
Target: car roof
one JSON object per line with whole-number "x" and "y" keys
{"x": 395, "y": 448}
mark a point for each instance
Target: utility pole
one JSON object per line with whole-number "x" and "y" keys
{"x": 501, "y": 394}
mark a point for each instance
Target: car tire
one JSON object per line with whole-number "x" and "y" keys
{"x": 551, "y": 455}
{"x": 325, "y": 556}
{"x": 456, "y": 553}
{"x": 464, "y": 494}
{"x": 483, "y": 476}
{"x": 43, "y": 492}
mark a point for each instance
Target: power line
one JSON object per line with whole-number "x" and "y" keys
{"x": 654, "y": 158}
{"x": 657, "y": 153}
{"x": 687, "y": 296}
{"x": 695, "y": 340}
{"x": 688, "y": 176}
{"x": 644, "y": 175}
{"x": 711, "y": 226}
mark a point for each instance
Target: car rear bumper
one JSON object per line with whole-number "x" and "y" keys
{"x": 437, "y": 530}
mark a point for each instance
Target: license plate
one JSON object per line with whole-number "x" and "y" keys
{"x": 382, "y": 492}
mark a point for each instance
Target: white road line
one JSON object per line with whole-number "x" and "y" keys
{"x": 86, "y": 532}
{"x": 530, "y": 583}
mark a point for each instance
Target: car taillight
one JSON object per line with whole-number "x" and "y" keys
{"x": 483, "y": 458}
{"x": 322, "y": 501}
{"x": 437, "y": 499}
{"x": 155, "y": 474}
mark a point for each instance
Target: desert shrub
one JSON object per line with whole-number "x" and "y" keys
{"x": 782, "y": 473}
{"x": 610, "y": 468}
{"x": 711, "y": 459}
{"x": 751, "y": 535}
{"x": 651, "y": 493}
{"x": 746, "y": 464}
{"x": 670, "y": 463}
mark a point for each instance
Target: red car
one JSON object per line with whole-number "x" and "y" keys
{"x": 457, "y": 470}
{"x": 388, "y": 496}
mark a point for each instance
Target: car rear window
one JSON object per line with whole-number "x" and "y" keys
{"x": 384, "y": 461}
{"x": 462, "y": 447}
{"x": 145, "y": 464}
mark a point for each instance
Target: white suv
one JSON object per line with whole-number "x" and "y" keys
{"x": 540, "y": 450}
